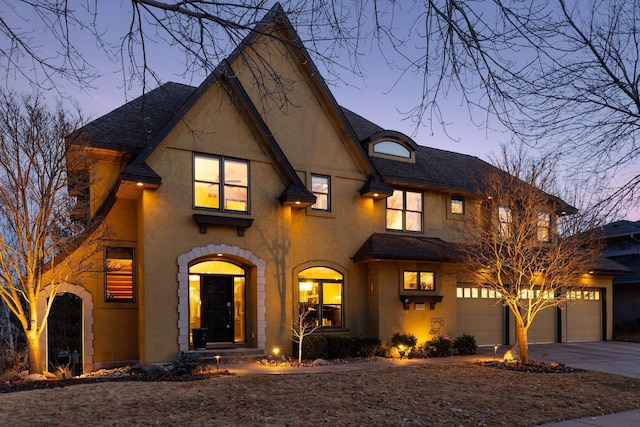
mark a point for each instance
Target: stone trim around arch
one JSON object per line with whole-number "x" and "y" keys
{"x": 183, "y": 289}
{"x": 87, "y": 323}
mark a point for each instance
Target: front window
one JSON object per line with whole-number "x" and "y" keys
{"x": 544, "y": 227}
{"x": 419, "y": 281}
{"x": 119, "y": 277}
{"x": 320, "y": 186}
{"x": 404, "y": 211}
{"x": 220, "y": 183}
{"x": 320, "y": 294}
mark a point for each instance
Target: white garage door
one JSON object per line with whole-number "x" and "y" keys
{"x": 584, "y": 315}
{"x": 480, "y": 313}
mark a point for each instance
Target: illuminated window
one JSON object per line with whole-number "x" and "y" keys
{"x": 119, "y": 277}
{"x": 544, "y": 227}
{"x": 419, "y": 281}
{"x": 505, "y": 220}
{"x": 320, "y": 188}
{"x": 404, "y": 211}
{"x": 221, "y": 183}
{"x": 457, "y": 206}
{"x": 320, "y": 294}
{"x": 392, "y": 148}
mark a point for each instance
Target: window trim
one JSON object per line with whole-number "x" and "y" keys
{"x": 107, "y": 273}
{"x": 462, "y": 203}
{"x": 404, "y": 211}
{"x": 221, "y": 184}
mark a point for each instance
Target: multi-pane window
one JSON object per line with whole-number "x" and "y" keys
{"x": 119, "y": 274}
{"x": 505, "y": 220}
{"x": 419, "y": 281}
{"x": 320, "y": 295}
{"x": 221, "y": 183}
{"x": 544, "y": 227}
{"x": 320, "y": 187}
{"x": 404, "y": 211}
{"x": 457, "y": 205}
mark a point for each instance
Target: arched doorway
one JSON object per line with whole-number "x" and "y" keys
{"x": 64, "y": 333}
{"x": 217, "y": 300}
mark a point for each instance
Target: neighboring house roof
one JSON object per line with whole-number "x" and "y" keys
{"x": 606, "y": 265}
{"x": 621, "y": 228}
{"x": 404, "y": 247}
{"x": 632, "y": 262}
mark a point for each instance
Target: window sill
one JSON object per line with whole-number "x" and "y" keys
{"x": 420, "y": 298}
{"x": 204, "y": 221}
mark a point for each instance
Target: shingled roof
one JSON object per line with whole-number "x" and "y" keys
{"x": 130, "y": 127}
{"x": 406, "y": 247}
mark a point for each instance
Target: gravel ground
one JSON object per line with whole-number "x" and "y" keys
{"x": 460, "y": 394}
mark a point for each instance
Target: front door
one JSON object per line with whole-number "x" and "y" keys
{"x": 216, "y": 293}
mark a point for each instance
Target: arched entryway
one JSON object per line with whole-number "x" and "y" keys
{"x": 87, "y": 323}
{"x": 237, "y": 276}
{"x": 64, "y": 334}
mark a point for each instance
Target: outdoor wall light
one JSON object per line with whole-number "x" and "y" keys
{"x": 406, "y": 303}
{"x": 217, "y": 357}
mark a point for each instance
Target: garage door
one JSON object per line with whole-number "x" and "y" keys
{"x": 584, "y": 315}
{"x": 480, "y": 313}
{"x": 544, "y": 328}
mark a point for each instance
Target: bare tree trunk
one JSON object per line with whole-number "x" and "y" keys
{"x": 33, "y": 344}
{"x": 522, "y": 342}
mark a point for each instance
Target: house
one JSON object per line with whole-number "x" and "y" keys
{"x": 622, "y": 239}
{"x": 231, "y": 208}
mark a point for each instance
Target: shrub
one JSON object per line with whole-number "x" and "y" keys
{"x": 13, "y": 358}
{"x": 465, "y": 345}
{"x": 438, "y": 347}
{"x": 408, "y": 340}
{"x": 338, "y": 347}
{"x": 186, "y": 364}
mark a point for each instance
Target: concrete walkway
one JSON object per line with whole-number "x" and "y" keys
{"x": 618, "y": 358}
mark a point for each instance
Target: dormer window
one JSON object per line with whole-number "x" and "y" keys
{"x": 392, "y": 148}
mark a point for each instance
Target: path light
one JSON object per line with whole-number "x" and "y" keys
{"x": 276, "y": 351}
{"x": 217, "y": 357}
{"x": 401, "y": 350}
{"x": 495, "y": 351}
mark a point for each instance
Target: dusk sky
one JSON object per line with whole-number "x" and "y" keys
{"x": 377, "y": 96}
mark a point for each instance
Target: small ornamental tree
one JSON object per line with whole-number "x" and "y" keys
{"x": 302, "y": 327}
{"x": 522, "y": 247}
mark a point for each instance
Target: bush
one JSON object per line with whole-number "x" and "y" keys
{"x": 408, "y": 340}
{"x": 13, "y": 358}
{"x": 186, "y": 364}
{"x": 465, "y": 345}
{"x": 338, "y": 347}
{"x": 438, "y": 347}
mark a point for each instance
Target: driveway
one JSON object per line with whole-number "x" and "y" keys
{"x": 621, "y": 358}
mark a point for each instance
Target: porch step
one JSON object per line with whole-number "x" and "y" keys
{"x": 231, "y": 355}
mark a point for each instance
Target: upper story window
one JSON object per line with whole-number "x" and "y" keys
{"x": 119, "y": 274}
{"x": 457, "y": 206}
{"x": 220, "y": 183}
{"x": 392, "y": 148}
{"x": 320, "y": 292}
{"x": 505, "y": 220}
{"x": 544, "y": 227}
{"x": 404, "y": 211}
{"x": 320, "y": 187}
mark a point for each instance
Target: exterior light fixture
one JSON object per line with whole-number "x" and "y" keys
{"x": 217, "y": 357}
{"x": 406, "y": 303}
{"x": 276, "y": 351}
{"x": 402, "y": 350}
{"x": 376, "y": 195}
{"x": 140, "y": 184}
{"x": 495, "y": 351}
{"x": 297, "y": 202}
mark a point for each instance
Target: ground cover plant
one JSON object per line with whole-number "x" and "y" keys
{"x": 398, "y": 393}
